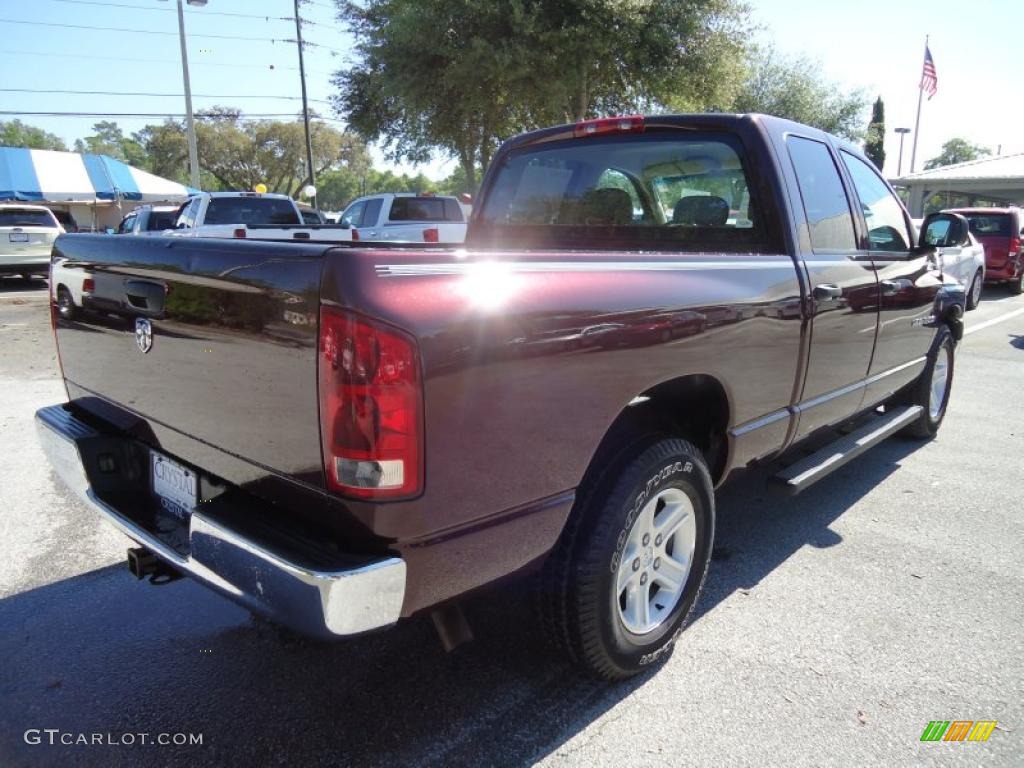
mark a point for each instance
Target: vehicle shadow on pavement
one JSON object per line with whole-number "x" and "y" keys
{"x": 101, "y": 653}
{"x": 20, "y": 285}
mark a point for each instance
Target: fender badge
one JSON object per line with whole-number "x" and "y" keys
{"x": 143, "y": 334}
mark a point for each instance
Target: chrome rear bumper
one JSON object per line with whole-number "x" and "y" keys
{"x": 318, "y": 603}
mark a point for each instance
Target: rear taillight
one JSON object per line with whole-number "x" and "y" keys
{"x": 370, "y": 408}
{"x": 624, "y": 124}
{"x": 88, "y": 285}
{"x": 240, "y": 232}
{"x": 1014, "y": 245}
{"x": 431, "y": 235}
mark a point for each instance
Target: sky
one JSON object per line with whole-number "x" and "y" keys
{"x": 133, "y": 47}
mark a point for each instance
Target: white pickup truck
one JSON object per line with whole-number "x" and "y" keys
{"x": 250, "y": 214}
{"x": 406, "y": 217}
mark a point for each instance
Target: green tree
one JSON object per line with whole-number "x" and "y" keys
{"x": 957, "y": 151}
{"x": 794, "y": 88}
{"x": 110, "y": 140}
{"x": 239, "y": 154}
{"x": 874, "y": 142}
{"x": 485, "y": 71}
{"x": 14, "y": 133}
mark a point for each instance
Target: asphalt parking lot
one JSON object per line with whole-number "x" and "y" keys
{"x": 833, "y": 627}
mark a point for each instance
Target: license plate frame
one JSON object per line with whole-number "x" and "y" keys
{"x": 17, "y": 237}
{"x": 176, "y": 487}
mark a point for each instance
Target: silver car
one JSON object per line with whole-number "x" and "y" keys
{"x": 27, "y": 233}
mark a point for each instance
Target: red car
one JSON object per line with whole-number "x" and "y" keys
{"x": 999, "y": 230}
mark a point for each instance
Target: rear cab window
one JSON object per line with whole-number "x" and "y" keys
{"x": 424, "y": 209}
{"x": 258, "y": 211}
{"x": 659, "y": 190}
{"x": 160, "y": 220}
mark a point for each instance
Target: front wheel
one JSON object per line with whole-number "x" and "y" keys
{"x": 932, "y": 388}
{"x": 618, "y": 588}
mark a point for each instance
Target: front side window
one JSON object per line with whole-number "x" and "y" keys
{"x": 829, "y": 219}
{"x": 687, "y": 192}
{"x": 887, "y": 226}
{"x": 353, "y": 214}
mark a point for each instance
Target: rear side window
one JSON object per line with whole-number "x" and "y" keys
{"x": 160, "y": 220}
{"x": 829, "y": 219}
{"x": 424, "y": 209}
{"x": 251, "y": 210}
{"x": 686, "y": 192}
{"x": 371, "y": 212}
{"x": 990, "y": 224}
{"x": 887, "y": 226}
{"x": 26, "y": 217}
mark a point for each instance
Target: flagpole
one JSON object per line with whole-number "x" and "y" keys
{"x": 917, "y": 121}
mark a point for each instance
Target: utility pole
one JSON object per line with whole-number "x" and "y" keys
{"x": 903, "y": 134}
{"x": 193, "y": 151}
{"x": 305, "y": 102}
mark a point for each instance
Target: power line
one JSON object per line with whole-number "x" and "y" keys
{"x": 160, "y": 61}
{"x": 171, "y": 10}
{"x": 172, "y": 34}
{"x": 147, "y": 93}
{"x": 150, "y": 115}
{"x": 146, "y": 31}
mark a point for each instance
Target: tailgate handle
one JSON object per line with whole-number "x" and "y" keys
{"x": 145, "y": 294}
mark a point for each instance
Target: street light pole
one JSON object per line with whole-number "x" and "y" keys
{"x": 903, "y": 134}
{"x": 193, "y": 151}
{"x": 305, "y": 103}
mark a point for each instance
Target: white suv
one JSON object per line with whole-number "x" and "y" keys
{"x": 27, "y": 233}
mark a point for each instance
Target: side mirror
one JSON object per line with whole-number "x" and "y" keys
{"x": 111, "y": 231}
{"x": 944, "y": 230}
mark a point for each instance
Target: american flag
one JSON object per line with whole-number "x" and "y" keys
{"x": 929, "y": 80}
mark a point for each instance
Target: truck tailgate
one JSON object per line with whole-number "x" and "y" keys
{"x": 200, "y": 349}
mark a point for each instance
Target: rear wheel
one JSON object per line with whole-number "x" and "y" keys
{"x": 618, "y": 589}
{"x": 65, "y": 304}
{"x": 974, "y": 292}
{"x": 932, "y": 388}
{"x": 1017, "y": 284}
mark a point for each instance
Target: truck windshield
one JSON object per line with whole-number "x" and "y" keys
{"x": 270, "y": 211}
{"x": 686, "y": 193}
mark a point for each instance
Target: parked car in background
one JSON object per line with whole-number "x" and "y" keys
{"x": 311, "y": 215}
{"x": 66, "y": 220}
{"x": 27, "y": 233}
{"x": 70, "y": 289}
{"x": 264, "y": 216}
{"x": 407, "y": 217}
{"x": 959, "y": 252}
{"x": 999, "y": 231}
{"x": 398, "y": 425}
{"x": 148, "y": 220}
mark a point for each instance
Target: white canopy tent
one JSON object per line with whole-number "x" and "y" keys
{"x": 96, "y": 189}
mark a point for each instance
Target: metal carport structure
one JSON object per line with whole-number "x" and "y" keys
{"x": 992, "y": 180}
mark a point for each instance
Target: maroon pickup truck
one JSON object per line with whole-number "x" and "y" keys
{"x": 340, "y": 436}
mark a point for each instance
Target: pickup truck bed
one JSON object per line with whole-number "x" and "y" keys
{"x": 360, "y": 432}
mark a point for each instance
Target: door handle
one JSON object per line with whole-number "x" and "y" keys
{"x": 827, "y": 292}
